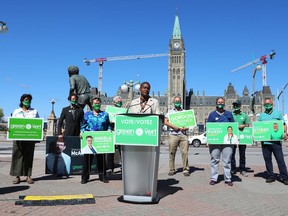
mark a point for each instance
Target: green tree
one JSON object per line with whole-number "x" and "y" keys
{"x": 1, "y": 114}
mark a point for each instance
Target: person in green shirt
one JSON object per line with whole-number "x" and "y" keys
{"x": 243, "y": 121}
{"x": 276, "y": 134}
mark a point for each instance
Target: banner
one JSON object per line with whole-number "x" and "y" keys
{"x": 246, "y": 136}
{"x": 268, "y": 130}
{"x": 217, "y": 131}
{"x": 100, "y": 142}
{"x": 113, "y": 111}
{"x": 139, "y": 130}
{"x": 25, "y": 129}
{"x": 184, "y": 118}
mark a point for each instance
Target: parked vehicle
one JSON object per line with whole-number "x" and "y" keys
{"x": 197, "y": 140}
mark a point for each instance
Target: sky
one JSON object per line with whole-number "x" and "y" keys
{"x": 45, "y": 37}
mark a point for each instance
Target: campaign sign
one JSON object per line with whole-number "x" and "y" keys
{"x": 113, "y": 111}
{"x": 216, "y": 131}
{"x": 141, "y": 130}
{"x": 70, "y": 159}
{"x": 268, "y": 130}
{"x": 184, "y": 118}
{"x": 246, "y": 136}
{"x": 102, "y": 142}
{"x": 25, "y": 129}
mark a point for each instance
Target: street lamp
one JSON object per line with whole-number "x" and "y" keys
{"x": 53, "y": 102}
{"x": 282, "y": 92}
{"x": 128, "y": 86}
{"x": 3, "y": 27}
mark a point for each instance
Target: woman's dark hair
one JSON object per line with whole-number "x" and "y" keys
{"x": 72, "y": 94}
{"x": 29, "y": 96}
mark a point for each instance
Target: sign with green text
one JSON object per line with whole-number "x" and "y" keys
{"x": 113, "y": 111}
{"x": 268, "y": 130}
{"x": 217, "y": 131}
{"x": 25, "y": 129}
{"x": 142, "y": 130}
{"x": 102, "y": 142}
{"x": 184, "y": 118}
{"x": 246, "y": 136}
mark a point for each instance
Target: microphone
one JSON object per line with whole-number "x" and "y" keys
{"x": 132, "y": 106}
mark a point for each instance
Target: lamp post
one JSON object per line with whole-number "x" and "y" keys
{"x": 128, "y": 86}
{"x": 3, "y": 27}
{"x": 278, "y": 97}
{"x": 53, "y": 102}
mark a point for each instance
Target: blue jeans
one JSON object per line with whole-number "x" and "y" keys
{"x": 276, "y": 149}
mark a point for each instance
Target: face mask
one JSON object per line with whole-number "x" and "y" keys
{"x": 177, "y": 104}
{"x": 26, "y": 103}
{"x": 268, "y": 107}
{"x": 236, "y": 109}
{"x": 118, "y": 104}
{"x": 220, "y": 106}
{"x": 73, "y": 102}
{"x": 96, "y": 106}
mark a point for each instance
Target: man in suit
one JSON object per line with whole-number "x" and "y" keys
{"x": 57, "y": 162}
{"x": 144, "y": 104}
{"x": 73, "y": 117}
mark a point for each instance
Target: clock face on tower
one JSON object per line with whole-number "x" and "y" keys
{"x": 176, "y": 45}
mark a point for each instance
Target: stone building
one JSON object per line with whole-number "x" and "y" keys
{"x": 201, "y": 103}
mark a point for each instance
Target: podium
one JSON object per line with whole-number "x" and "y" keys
{"x": 139, "y": 135}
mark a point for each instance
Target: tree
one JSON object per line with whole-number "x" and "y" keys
{"x": 1, "y": 114}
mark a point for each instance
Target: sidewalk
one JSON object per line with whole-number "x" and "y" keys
{"x": 180, "y": 195}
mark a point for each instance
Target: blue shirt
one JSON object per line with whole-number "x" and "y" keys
{"x": 215, "y": 116}
{"x": 92, "y": 122}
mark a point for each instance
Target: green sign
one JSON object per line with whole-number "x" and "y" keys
{"x": 217, "y": 131}
{"x": 113, "y": 111}
{"x": 268, "y": 130}
{"x": 246, "y": 136}
{"x": 102, "y": 142}
{"x": 184, "y": 118}
{"x": 25, "y": 129}
{"x": 142, "y": 130}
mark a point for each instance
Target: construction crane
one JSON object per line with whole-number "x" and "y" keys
{"x": 263, "y": 60}
{"x": 117, "y": 58}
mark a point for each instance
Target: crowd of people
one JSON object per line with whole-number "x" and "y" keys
{"x": 77, "y": 122}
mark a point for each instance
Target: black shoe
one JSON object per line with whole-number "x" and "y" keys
{"x": 285, "y": 181}
{"x": 229, "y": 183}
{"x": 84, "y": 181}
{"x": 270, "y": 180}
{"x": 212, "y": 182}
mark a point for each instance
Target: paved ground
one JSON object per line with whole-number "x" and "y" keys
{"x": 180, "y": 195}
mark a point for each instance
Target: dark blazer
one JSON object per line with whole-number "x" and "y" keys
{"x": 72, "y": 126}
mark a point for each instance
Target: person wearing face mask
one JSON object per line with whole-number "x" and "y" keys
{"x": 23, "y": 151}
{"x": 275, "y": 147}
{"x": 71, "y": 118}
{"x": 177, "y": 138}
{"x": 117, "y": 101}
{"x": 243, "y": 121}
{"x": 95, "y": 120}
{"x": 220, "y": 115}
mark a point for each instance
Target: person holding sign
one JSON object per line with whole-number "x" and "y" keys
{"x": 177, "y": 137}
{"x": 95, "y": 120}
{"x": 220, "y": 115}
{"x": 23, "y": 151}
{"x": 243, "y": 122}
{"x": 275, "y": 147}
{"x": 117, "y": 100}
